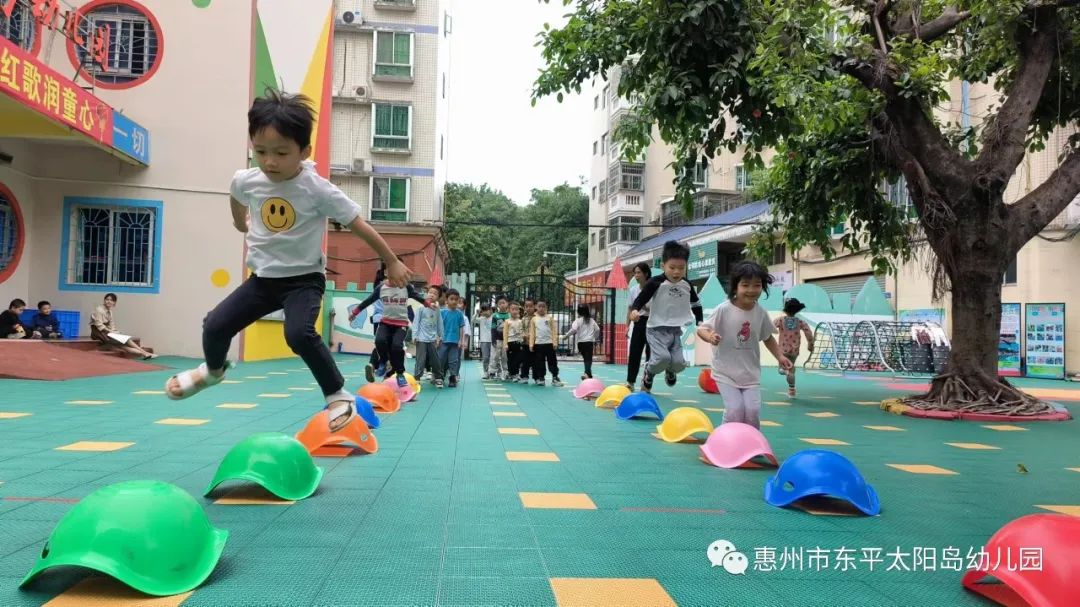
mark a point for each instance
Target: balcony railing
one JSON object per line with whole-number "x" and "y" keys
{"x": 400, "y": 5}
{"x": 625, "y": 202}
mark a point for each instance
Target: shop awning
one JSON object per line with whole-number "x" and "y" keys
{"x": 37, "y": 102}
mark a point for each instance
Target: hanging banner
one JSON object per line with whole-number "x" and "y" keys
{"x": 937, "y": 316}
{"x": 1009, "y": 341}
{"x": 1046, "y": 340}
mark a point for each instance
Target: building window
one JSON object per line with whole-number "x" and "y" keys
{"x": 594, "y": 193}
{"x": 701, "y": 175}
{"x": 20, "y": 28}
{"x": 393, "y": 54}
{"x": 596, "y": 102}
{"x": 444, "y": 85}
{"x": 779, "y": 255}
{"x": 594, "y": 148}
{"x": 110, "y": 244}
{"x": 389, "y": 199}
{"x": 625, "y": 229}
{"x": 11, "y": 234}
{"x": 442, "y": 146}
{"x": 603, "y": 98}
{"x": 603, "y": 143}
{"x": 603, "y": 239}
{"x": 627, "y": 176}
{"x": 603, "y": 190}
{"x": 592, "y": 238}
{"x": 742, "y": 178}
{"x": 448, "y": 24}
{"x": 393, "y": 127}
{"x": 613, "y": 148}
{"x": 897, "y": 194}
{"x": 1010, "y": 277}
{"x": 135, "y": 44}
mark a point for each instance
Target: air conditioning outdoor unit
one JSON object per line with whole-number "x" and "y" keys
{"x": 362, "y": 92}
{"x": 358, "y": 165}
{"x": 350, "y": 17}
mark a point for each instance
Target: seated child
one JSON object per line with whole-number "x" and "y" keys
{"x": 45, "y": 325}
{"x": 10, "y": 325}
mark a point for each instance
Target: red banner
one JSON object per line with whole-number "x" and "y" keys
{"x": 34, "y": 84}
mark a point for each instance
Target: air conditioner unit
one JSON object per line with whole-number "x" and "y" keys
{"x": 358, "y": 165}
{"x": 362, "y": 92}
{"x": 350, "y": 17}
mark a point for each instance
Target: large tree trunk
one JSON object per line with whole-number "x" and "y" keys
{"x": 970, "y": 382}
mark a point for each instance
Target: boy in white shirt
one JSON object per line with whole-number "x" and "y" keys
{"x": 542, "y": 341}
{"x": 289, "y": 204}
{"x": 483, "y": 323}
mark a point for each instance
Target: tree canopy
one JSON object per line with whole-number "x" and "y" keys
{"x": 501, "y": 241}
{"x": 849, "y": 94}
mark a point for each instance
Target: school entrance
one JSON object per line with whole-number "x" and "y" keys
{"x": 562, "y": 297}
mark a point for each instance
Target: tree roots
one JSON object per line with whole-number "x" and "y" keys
{"x": 978, "y": 393}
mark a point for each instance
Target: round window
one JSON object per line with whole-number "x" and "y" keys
{"x": 12, "y": 233}
{"x": 135, "y": 44}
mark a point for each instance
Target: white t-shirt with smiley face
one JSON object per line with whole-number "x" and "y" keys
{"x": 288, "y": 220}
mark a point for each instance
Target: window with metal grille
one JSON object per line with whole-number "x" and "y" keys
{"x": 393, "y": 127}
{"x": 742, "y": 178}
{"x": 393, "y": 54}
{"x": 112, "y": 246}
{"x": 133, "y": 43}
{"x": 701, "y": 174}
{"x": 897, "y": 194}
{"x": 389, "y": 199}
{"x": 20, "y": 27}
{"x": 625, "y": 229}
{"x": 10, "y": 238}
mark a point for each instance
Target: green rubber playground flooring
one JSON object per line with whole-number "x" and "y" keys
{"x": 437, "y": 515}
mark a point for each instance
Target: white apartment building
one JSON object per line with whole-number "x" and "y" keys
{"x": 389, "y": 146}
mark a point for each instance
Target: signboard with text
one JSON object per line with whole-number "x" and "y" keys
{"x": 1045, "y": 350}
{"x": 702, "y": 262}
{"x": 39, "y": 87}
{"x": 1009, "y": 341}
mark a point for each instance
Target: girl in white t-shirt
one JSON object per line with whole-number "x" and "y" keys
{"x": 588, "y": 333}
{"x": 736, "y": 329}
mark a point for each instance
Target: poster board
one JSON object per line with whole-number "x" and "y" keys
{"x": 1045, "y": 323}
{"x": 1009, "y": 339}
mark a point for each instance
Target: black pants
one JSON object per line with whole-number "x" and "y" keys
{"x": 586, "y": 349}
{"x": 513, "y": 359}
{"x": 300, "y": 297}
{"x": 375, "y": 360}
{"x": 390, "y": 344}
{"x": 637, "y": 345}
{"x": 525, "y": 358}
{"x": 541, "y": 354}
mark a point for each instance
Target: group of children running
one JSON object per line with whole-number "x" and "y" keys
{"x": 663, "y": 305}
{"x": 282, "y": 206}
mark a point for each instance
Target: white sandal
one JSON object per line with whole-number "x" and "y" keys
{"x": 189, "y": 385}
{"x": 340, "y": 411}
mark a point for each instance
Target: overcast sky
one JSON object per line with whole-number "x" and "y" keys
{"x": 496, "y": 136}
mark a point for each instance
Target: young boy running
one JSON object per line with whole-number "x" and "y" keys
{"x": 289, "y": 204}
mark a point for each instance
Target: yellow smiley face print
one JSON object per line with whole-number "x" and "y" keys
{"x": 278, "y": 214}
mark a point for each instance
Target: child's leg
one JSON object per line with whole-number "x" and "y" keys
{"x": 586, "y": 349}
{"x": 453, "y": 361}
{"x": 538, "y": 370}
{"x": 526, "y": 357}
{"x": 637, "y": 346}
{"x": 552, "y": 361}
{"x": 248, "y": 303}
{"x": 303, "y": 299}
{"x": 752, "y": 402}
{"x": 659, "y": 339}
{"x": 383, "y": 338}
{"x": 513, "y": 358}
{"x": 791, "y": 372}
{"x": 734, "y": 405}
{"x": 433, "y": 362}
{"x": 421, "y": 359}
{"x": 485, "y": 356}
{"x": 678, "y": 363}
{"x": 397, "y": 350}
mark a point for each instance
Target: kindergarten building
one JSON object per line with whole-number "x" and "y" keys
{"x": 121, "y": 125}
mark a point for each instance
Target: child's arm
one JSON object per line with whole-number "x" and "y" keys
{"x": 774, "y": 347}
{"x": 532, "y": 334}
{"x": 707, "y": 330}
{"x": 397, "y": 273}
{"x": 695, "y": 305}
{"x": 438, "y": 327}
{"x": 462, "y": 334}
{"x": 416, "y": 295}
{"x": 506, "y": 334}
{"x": 646, "y": 294}
{"x": 554, "y": 334}
{"x": 239, "y": 214}
{"x": 367, "y": 302}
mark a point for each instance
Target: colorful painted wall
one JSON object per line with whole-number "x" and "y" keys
{"x": 291, "y": 43}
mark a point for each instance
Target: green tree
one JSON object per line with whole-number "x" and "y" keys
{"x": 500, "y": 241}
{"x": 845, "y": 91}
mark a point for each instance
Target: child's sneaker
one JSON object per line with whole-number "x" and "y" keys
{"x": 453, "y": 381}
{"x": 555, "y": 381}
{"x": 369, "y": 373}
{"x": 584, "y": 377}
{"x": 791, "y": 392}
{"x": 438, "y": 384}
{"x": 541, "y": 382}
{"x": 484, "y": 376}
{"x": 646, "y": 382}
{"x": 669, "y": 378}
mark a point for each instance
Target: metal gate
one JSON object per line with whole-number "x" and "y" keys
{"x": 562, "y": 297}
